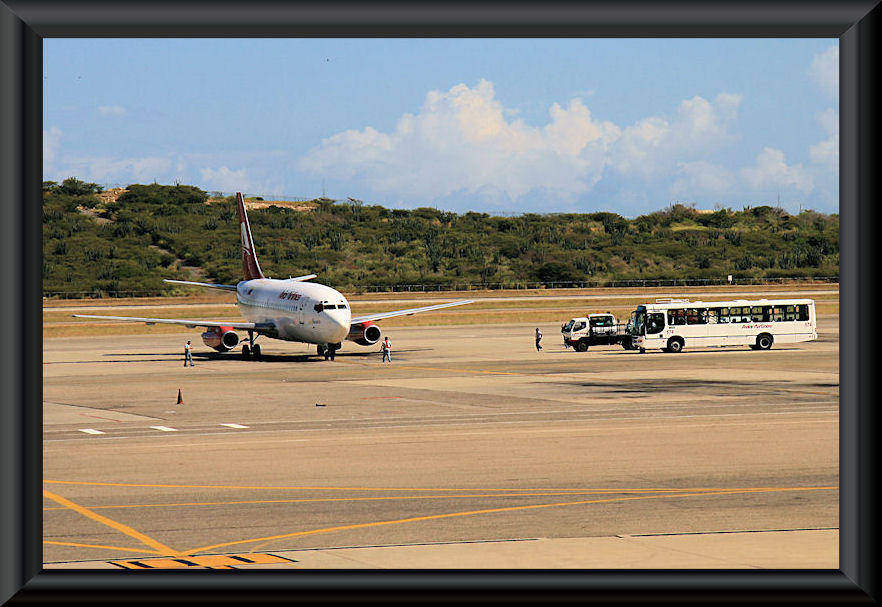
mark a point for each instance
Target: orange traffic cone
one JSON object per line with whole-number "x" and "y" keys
{"x": 180, "y": 398}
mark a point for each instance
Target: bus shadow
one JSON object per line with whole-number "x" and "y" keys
{"x": 688, "y": 351}
{"x": 705, "y": 387}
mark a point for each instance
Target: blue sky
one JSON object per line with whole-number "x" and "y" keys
{"x": 498, "y": 125}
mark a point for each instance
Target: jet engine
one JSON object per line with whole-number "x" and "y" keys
{"x": 364, "y": 333}
{"x": 220, "y": 338}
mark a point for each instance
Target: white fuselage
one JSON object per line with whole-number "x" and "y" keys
{"x": 300, "y": 311}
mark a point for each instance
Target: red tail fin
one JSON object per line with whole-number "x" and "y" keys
{"x": 250, "y": 267}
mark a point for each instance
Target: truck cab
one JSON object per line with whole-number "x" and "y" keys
{"x": 590, "y": 330}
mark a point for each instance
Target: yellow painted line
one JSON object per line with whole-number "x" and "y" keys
{"x": 144, "y": 539}
{"x": 54, "y": 543}
{"x": 487, "y": 511}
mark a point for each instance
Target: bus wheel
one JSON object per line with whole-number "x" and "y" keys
{"x": 675, "y": 345}
{"x": 764, "y": 341}
{"x": 246, "y": 352}
{"x": 581, "y": 346}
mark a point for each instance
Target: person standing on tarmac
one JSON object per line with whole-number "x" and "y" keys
{"x": 387, "y": 350}
{"x": 538, "y": 339}
{"x": 188, "y": 356}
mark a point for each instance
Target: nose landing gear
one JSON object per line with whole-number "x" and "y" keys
{"x": 251, "y": 351}
{"x": 327, "y": 350}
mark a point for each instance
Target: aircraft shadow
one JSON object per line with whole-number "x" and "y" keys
{"x": 265, "y": 357}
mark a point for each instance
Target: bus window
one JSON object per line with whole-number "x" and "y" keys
{"x": 578, "y": 326}
{"x": 655, "y": 323}
{"x": 789, "y": 313}
{"x": 696, "y": 316}
{"x": 712, "y": 316}
{"x": 677, "y": 317}
{"x": 802, "y": 312}
{"x": 739, "y": 315}
{"x": 757, "y": 314}
{"x": 722, "y": 315}
{"x": 778, "y": 313}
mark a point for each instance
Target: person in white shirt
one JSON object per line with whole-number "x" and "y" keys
{"x": 387, "y": 350}
{"x": 188, "y": 356}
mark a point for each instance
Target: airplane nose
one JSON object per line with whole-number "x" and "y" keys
{"x": 341, "y": 324}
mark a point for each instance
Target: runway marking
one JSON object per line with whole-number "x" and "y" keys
{"x": 90, "y": 431}
{"x": 214, "y": 561}
{"x": 158, "y": 547}
{"x": 239, "y": 426}
{"x": 227, "y": 443}
{"x": 54, "y": 543}
{"x": 164, "y": 428}
{"x": 489, "y": 511}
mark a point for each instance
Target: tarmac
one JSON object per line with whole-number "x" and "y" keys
{"x": 471, "y": 450}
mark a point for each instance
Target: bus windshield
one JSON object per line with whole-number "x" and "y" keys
{"x": 639, "y": 321}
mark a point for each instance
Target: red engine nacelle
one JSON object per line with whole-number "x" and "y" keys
{"x": 364, "y": 334}
{"x": 221, "y": 339}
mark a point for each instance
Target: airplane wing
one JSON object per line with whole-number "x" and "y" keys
{"x": 187, "y": 323}
{"x": 301, "y": 278}
{"x": 210, "y": 285}
{"x": 381, "y": 315}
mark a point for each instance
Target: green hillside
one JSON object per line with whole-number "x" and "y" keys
{"x": 154, "y": 231}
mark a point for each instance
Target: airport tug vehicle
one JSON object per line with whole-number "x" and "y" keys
{"x": 599, "y": 329}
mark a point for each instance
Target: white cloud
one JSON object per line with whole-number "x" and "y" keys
{"x": 702, "y": 178}
{"x": 111, "y": 110}
{"x": 108, "y": 170}
{"x": 463, "y": 141}
{"x": 225, "y": 179}
{"x": 824, "y": 70}
{"x": 655, "y": 145}
{"x": 51, "y": 143}
{"x": 771, "y": 172}
{"x": 827, "y": 151}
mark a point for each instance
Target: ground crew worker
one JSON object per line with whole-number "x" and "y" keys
{"x": 387, "y": 350}
{"x": 538, "y": 339}
{"x": 188, "y": 356}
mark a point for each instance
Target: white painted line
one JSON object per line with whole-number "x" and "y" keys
{"x": 90, "y": 431}
{"x": 234, "y": 425}
{"x": 164, "y": 428}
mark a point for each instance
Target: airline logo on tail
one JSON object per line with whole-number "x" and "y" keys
{"x": 250, "y": 266}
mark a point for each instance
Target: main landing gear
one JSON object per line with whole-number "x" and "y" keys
{"x": 251, "y": 351}
{"x": 327, "y": 350}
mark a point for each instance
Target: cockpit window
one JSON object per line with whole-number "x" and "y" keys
{"x": 318, "y": 307}
{"x": 342, "y": 306}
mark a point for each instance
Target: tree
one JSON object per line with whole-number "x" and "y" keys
{"x": 74, "y": 187}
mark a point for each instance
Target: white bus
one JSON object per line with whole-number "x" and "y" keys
{"x": 674, "y": 324}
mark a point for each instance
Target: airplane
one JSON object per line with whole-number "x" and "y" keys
{"x": 292, "y": 309}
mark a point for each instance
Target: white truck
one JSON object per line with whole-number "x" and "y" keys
{"x": 597, "y": 329}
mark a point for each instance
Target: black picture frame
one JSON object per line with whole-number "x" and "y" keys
{"x": 24, "y": 23}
